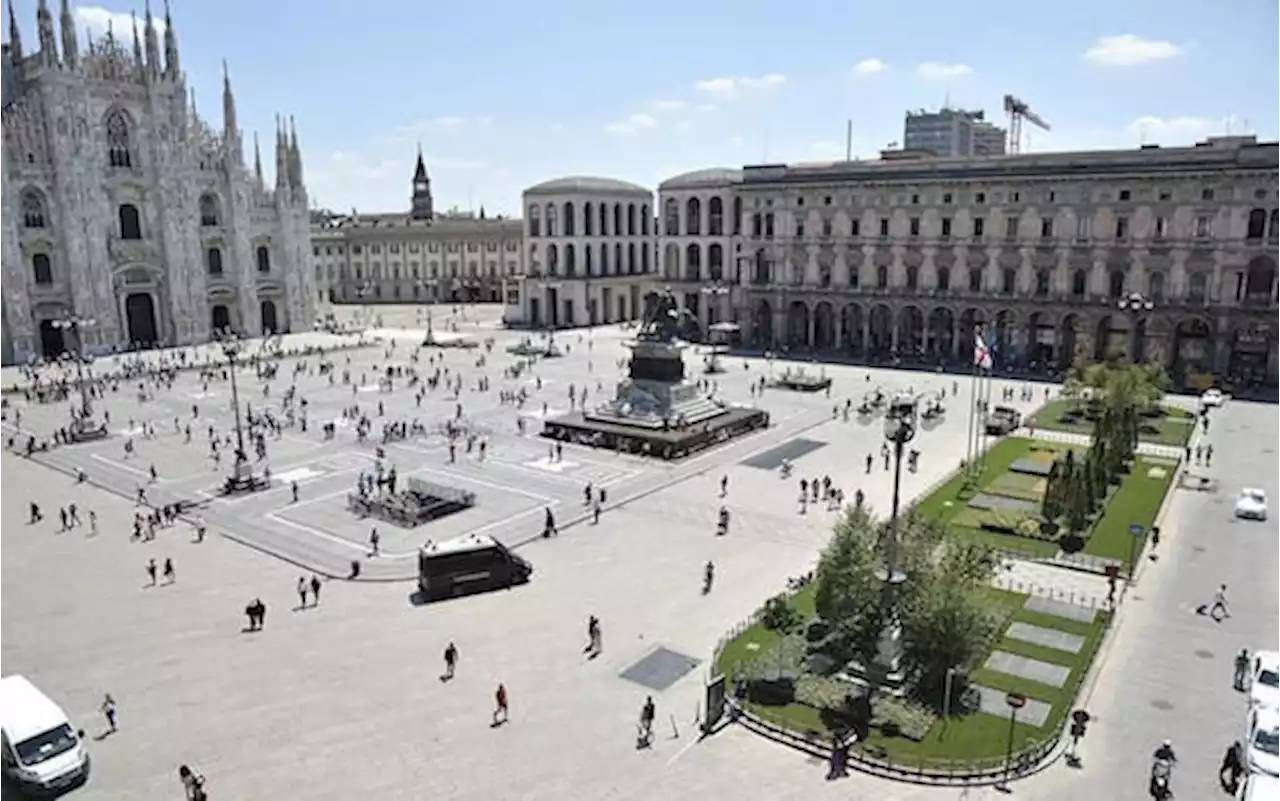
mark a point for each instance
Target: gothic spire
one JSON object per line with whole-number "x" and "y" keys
{"x": 228, "y": 101}
{"x": 70, "y": 48}
{"x": 15, "y": 36}
{"x": 171, "y": 65}
{"x": 48, "y": 42}
{"x": 295, "y": 158}
{"x": 282, "y": 164}
{"x": 153, "y": 46}
{"x": 420, "y": 171}
{"x": 137, "y": 43}
{"x": 257, "y": 159}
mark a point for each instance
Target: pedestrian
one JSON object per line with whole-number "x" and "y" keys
{"x": 1232, "y": 767}
{"x": 373, "y": 541}
{"x": 315, "y": 590}
{"x": 170, "y": 575}
{"x": 501, "y": 709}
{"x": 595, "y": 513}
{"x": 1242, "y": 669}
{"x": 109, "y": 712}
{"x": 1111, "y": 590}
{"x": 1219, "y": 604}
{"x": 192, "y": 784}
{"x": 302, "y": 592}
{"x": 450, "y": 660}
{"x": 647, "y": 713}
{"x": 293, "y": 486}
{"x": 151, "y": 572}
{"x": 93, "y": 522}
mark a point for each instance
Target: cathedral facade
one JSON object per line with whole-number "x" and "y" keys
{"x": 128, "y": 221}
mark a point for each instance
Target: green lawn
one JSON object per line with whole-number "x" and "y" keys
{"x": 1175, "y": 428}
{"x": 1136, "y": 500}
{"x": 757, "y": 639}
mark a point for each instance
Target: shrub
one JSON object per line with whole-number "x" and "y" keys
{"x": 899, "y": 717}
{"x": 778, "y": 614}
{"x": 771, "y": 692}
{"x": 821, "y": 692}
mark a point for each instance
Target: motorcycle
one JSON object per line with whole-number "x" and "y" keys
{"x": 1161, "y": 771}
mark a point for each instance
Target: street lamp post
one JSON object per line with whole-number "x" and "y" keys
{"x": 899, "y": 429}
{"x": 1135, "y": 304}
{"x": 241, "y": 478}
{"x": 82, "y": 427}
{"x": 429, "y": 285}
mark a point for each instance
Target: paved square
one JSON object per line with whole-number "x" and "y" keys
{"x": 343, "y": 698}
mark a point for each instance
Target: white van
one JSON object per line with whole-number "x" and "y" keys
{"x": 41, "y": 752}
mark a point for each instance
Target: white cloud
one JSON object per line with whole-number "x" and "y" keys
{"x": 938, "y": 70}
{"x": 1126, "y": 50}
{"x": 733, "y": 86}
{"x": 707, "y": 108}
{"x": 869, "y": 66}
{"x": 1175, "y": 130}
{"x": 97, "y": 20}
{"x": 670, "y": 105}
{"x": 632, "y": 124}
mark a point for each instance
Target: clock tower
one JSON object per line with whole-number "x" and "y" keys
{"x": 420, "y": 208}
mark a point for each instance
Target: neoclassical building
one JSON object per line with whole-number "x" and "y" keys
{"x": 589, "y": 253}
{"x": 415, "y": 256}
{"x": 122, "y": 206}
{"x": 903, "y": 257}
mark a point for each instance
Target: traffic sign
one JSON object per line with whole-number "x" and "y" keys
{"x": 1137, "y": 529}
{"x": 1015, "y": 700}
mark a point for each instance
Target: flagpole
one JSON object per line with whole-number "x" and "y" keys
{"x": 969, "y": 454}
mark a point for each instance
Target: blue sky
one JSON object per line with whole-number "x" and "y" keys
{"x": 503, "y": 94}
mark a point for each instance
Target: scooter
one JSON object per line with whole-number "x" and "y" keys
{"x": 1161, "y": 771}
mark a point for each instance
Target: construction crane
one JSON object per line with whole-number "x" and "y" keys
{"x": 1019, "y": 111}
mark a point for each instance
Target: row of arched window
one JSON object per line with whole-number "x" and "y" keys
{"x": 597, "y": 219}
{"x": 1263, "y": 223}
{"x": 597, "y": 260}
{"x": 694, "y": 223}
{"x": 213, "y": 259}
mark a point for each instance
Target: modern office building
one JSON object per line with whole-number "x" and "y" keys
{"x": 125, "y": 212}
{"x": 416, "y": 255}
{"x": 589, "y": 253}
{"x": 904, "y": 258}
{"x": 952, "y": 133}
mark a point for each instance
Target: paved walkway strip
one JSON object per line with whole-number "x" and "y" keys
{"x": 1048, "y": 606}
{"x": 1035, "y": 713}
{"x": 1047, "y": 638}
{"x": 1027, "y": 668}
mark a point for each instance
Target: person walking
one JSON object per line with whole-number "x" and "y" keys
{"x": 192, "y": 784}
{"x": 170, "y": 575}
{"x": 373, "y": 542}
{"x": 302, "y": 592}
{"x": 109, "y": 712}
{"x": 501, "y": 709}
{"x": 1242, "y": 670}
{"x": 315, "y": 590}
{"x": 1219, "y": 604}
{"x": 151, "y": 572}
{"x": 1232, "y": 767}
{"x": 450, "y": 660}
{"x": 647, "y": 713}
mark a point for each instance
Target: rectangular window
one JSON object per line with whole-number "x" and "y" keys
{"x": 1125, "y": 195}
{"x": 884, "y": 226}
{"x": 1010, "y": 227}
{"x": 855, "y": 227}
{"x": 946, "y": 227}
{"x": 1162, "y": 228}
{"x": 800, "y": 230}
{"x": 915, "y": 226}
{"x": 1202, "y": 227}
{"x": 980, "y": 198}
{"x": 979, "y": 227}
{"x": 1046, "y": 227}
{"x": 1122, "y": 227}
{"x": 1084, "y": 227}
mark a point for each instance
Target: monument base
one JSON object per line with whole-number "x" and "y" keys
{"x": 802, "y": 383}
{"x": 657, "y": 440}
{"x": 242, "y": 481}
{"x": 87, "y": 431}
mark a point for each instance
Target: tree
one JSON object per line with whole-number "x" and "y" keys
{"x": 1075, "y": 501}
{"x": 950, "y": 626}
{"x": 848, "y": 594}
{"x": 1051, "y": 503}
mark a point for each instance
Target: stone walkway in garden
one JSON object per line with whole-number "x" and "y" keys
{"x": 1078, "y": 587}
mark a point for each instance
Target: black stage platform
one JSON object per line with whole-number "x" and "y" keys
{"x": 802, "y": 383}
{"x": 662, "y": 443}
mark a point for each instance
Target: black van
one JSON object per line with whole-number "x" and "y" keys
{"x": 469, "y": 564}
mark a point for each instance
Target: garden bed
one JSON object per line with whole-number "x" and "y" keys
{"x": 1173, "y": 428}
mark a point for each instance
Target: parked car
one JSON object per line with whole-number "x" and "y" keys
{"x": 1212, "y": 397}
{"x": 1264, "y": 680}
{"x": 1259, "y": 787}
{"x": 1252, "y": 504}
{"x": 1002, "y": 420}
{"x": 1262, "y": 744}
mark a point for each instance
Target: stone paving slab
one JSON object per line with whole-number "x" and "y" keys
{"x": 1049, "y": 638}
{"x": 1035, "y": 713}
{"x": 1050, "y": 606}
{"x": 1028, "y": 668}
{"x": 1033, "y": 467}
{"x": 985, "y": 500}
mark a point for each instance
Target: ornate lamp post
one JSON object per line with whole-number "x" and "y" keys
{"x": 241, "y": 478}
{"x": 429, "y": 285}
{"x": 1135, "y": 304}
{"x": 82, "y": 426}
{"x": 886, "y": 668}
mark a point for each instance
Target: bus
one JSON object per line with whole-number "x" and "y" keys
{"x": 468, "y": 564}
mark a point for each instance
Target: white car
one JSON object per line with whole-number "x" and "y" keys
{"x": 1262, "y": 747}
{"x": 1252, "y": 504}
{"x": 1212, "y": 397}
{"x": 1259, "y": 787}
{"x": 1264, "y": 680}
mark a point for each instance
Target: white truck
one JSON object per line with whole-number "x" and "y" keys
{"x": 42, "y": 753}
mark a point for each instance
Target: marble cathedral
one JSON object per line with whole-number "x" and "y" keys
{"x": 125, "y": 211}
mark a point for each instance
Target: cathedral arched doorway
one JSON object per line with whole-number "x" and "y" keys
{"x": 140, "y": 313}
{"x": 221, "y": 318}
{"x": 52, "y": 344}
{"x": 269, "y": 324}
